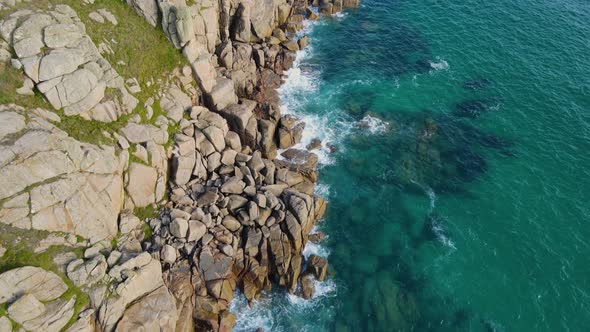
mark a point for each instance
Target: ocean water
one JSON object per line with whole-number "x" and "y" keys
{"x": 458, "y": 192}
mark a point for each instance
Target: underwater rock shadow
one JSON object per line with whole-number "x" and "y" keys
{"x": 474, "y": 108}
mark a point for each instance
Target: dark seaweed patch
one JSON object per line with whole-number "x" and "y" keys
{"x": 472, "y": 108}
{"x": 477, "y": 84}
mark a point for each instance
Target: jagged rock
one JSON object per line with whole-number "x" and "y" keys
{"x": 317, "y": 237}
{"x": 85, "y": 322}
{"x": 222, "y": 94}
{"x": 291, "y": 45}
{"x": 213, "y": 268}
{"x": 96, "y": 17}
{"x": 128, "y": 222}
{"x": 154, "y": 312}
{"x": 185, "y": 161}
{"x": 303, "y": 41}
{"x": 302, "y": 158}
{"x": 108, "y": 16}
{"x": 87, "y": 273}
{"x": 207, "y": 198}
{"x": 238, "y": 116}
{"x": 148, "y": 9}
{"x": 337, "y": 6}
{"x": 241, "y": 25}
{"x": 350, "y": 3}
{"x": 318, "y": 266}
{"x": 175, "y": 102}
{"x": 62, "y": 61}
{"x": 262, "y": 16}
{"x": 44, "y": 285}
{"x": 315, "y": 144}
{"x": 184, "y": 24}
{"x": 307, "y": 286}
{"x": 136, "y": 277}
{"x": 326, "y": 7}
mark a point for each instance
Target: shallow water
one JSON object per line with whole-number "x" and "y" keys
{"x": 458, "y": 193}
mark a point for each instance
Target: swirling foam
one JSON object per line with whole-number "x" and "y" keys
{"x": 374, "y": 125}
{"x": 440, "y": 64}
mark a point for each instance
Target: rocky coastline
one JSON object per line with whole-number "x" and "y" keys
{"x": 198, "y": 148}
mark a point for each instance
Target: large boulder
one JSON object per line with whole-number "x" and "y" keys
{"x": 154, "y": 312}
{"x": 43, "y": 285}
{"x": 263, "y": 17}
{"x": 141, "y": 187}
{"x": 132, "y": 280}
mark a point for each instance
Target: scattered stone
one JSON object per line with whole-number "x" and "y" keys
{"x": 179, "y": 228}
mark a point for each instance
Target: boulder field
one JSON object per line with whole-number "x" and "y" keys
{"x": 197, "y": 147}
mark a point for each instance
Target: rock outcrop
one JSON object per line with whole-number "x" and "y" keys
{"x": 64, "y": 64}
{"x": 53, "y": 182}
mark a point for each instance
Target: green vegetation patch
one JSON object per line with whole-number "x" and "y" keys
{"x": 20, "y": 245}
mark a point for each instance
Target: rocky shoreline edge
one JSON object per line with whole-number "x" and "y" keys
{"x": 231, "y": 215}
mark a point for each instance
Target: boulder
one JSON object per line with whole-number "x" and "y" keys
{"x": 25, "y": 308}
{"x": 168, "y": 254}
{"x": 141, "y": 187}
{"x": 262, "y": 17}
{"x": 216, "y": 137}
{"x": 196, "y": 230}
{"x": 318, "y": 266}
{"x": 307, "y": 286}
{"x": 179, "y": 228}
{"x": 231, "y": 223}
{"x": 233, "y": 185}
{"x": 148, "y": 9}
{"x": 131, "y": 280}
{"x": 87, "y": 273}
{"x": 43, "y": 285}
{"x": 222, "y": 94}
{"x": 154, "y": 312}
{"x": 55, "y": 316}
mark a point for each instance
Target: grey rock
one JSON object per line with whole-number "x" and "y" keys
{"x": 179, "y": 228}
{"x": 196, "y": 230}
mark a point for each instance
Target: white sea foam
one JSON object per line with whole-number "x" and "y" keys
{"x": 439, "y": 231}
{"x": 373, "y": 125}
{"x": 432, "y": 196}
{"x": 322, "y": 190}
{"x": 266, "y": 311}
{"x": 301, "y": 82}
{"x": 339, "y": 15}
{"x": 315, "y": 249}
{"x": 249, "y": 318}
{"x": 439, "y": 64}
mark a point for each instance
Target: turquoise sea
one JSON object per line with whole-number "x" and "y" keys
{"x": 459, "y": 190}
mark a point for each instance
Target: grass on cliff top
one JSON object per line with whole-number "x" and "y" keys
{"x": 140, "y": 51}
{"x": 20, "y": 245}
{"x": 144, "y": 49}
